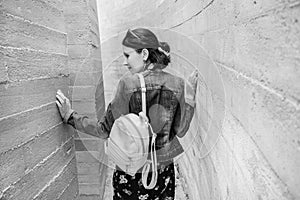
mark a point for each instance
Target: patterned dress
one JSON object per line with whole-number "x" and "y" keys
{"x": 127, "y": 187}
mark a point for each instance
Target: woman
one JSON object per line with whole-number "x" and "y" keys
{"x": 170, "y": 108}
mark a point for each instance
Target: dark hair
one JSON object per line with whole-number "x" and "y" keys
{"x": 142, "y": 38}
{"x": 156, "y": 57}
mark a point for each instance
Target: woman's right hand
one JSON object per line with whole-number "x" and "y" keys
{"x": 64, "y": 106}
{"x": 191, "y": 87}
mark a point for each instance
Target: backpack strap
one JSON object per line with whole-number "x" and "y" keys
{"x": 146, "y": 168}
{"x": 143, "y": 87}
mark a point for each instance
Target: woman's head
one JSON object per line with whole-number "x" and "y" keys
{"x": 142, "y": 48}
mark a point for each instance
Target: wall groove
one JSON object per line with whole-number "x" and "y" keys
{"x": 33, "y": 23}
{"x": 294, "y": 103}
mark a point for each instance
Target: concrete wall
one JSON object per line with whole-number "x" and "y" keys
{"x": 37, "y": 157}
{"x": 45, "y": 46}
{"x": 251, "y": 88}
{"x": 87, "y": 91}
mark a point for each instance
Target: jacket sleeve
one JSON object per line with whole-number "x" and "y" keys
{"x": 101, "y": 128}
{"x": 183, "y": 114}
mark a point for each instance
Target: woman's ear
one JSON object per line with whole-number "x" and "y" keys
{"x": 145, "y": 54}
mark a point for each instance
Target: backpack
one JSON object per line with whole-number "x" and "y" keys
{"x": 129, "y": 143}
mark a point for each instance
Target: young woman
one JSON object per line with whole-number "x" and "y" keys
{"x": 170, "y": 108}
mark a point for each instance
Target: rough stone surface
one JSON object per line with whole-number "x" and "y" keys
{"x": 34, "y": 180}
{"x": 37, "y": 153}
{"x": 19, "y": 96}
{"x": 17, "y": 32}
{"x": 52, "y": 190}
{"x": 25, "y": 64}
{"x": 43, "y": 12}
{"x": 17, "y": 162}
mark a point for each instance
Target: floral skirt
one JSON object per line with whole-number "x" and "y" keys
{"x": 127, "y": 187}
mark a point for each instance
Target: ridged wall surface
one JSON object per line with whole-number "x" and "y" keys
{"x": 46, "y": 46}
{"x": 37, "y": 155}
{"x": 244, "y": 140}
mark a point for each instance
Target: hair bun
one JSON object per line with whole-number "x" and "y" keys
{"x": 164, "y": 48}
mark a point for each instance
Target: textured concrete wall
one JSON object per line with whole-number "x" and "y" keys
{"x": 37, "y": 157}
{"x": 255, "y": 47}
{"x": 86, "y": 86}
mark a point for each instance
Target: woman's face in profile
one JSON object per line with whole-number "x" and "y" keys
{"x": 133, "y": 60}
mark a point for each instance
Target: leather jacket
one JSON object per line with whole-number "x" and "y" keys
{"x": 167, "y": 110}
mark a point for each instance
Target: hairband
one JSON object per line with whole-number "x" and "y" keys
{"x": 163, "y": 51}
